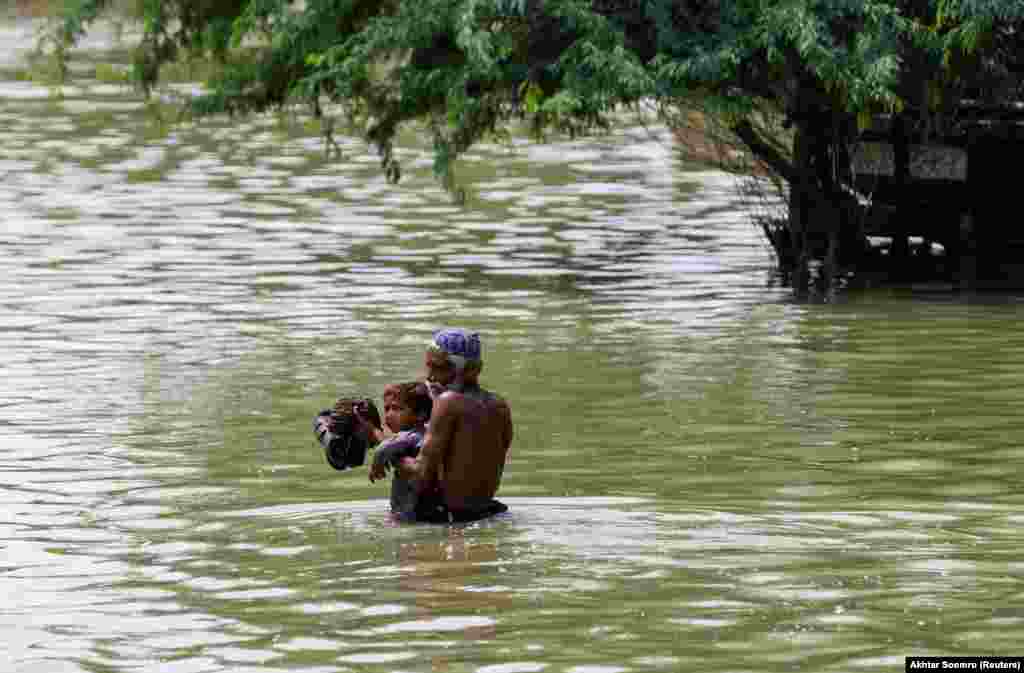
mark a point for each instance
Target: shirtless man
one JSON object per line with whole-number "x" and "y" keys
{"x": 463, "y": 455}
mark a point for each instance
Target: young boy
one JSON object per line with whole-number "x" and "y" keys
{"x": 407, "y": 408}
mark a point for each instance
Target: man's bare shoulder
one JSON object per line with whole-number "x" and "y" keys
{"x": 495, "y": 401}
{"x": 447, "y": 402}
{"x": 478, "y": 396}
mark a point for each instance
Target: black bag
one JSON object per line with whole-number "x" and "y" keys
{"x": 335, "y": 429}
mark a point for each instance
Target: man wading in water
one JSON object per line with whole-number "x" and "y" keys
{"x": 463, "y": 455}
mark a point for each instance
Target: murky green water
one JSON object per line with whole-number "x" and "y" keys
{"x": 706, "y": 474}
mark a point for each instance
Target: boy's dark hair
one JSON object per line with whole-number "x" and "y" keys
{"x": 416, "y": 396}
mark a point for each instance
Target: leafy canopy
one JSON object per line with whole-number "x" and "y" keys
{"x": 469, "y": 67}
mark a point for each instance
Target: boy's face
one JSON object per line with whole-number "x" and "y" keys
{"x": 390, "y": 392}
{"x": 397, "y": 415}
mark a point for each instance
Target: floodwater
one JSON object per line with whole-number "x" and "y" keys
{"x": 707, "y": 475}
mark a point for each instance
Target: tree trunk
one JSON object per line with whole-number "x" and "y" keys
{"x": 801, "y": 199}
{"x": 900, "y": 249}
{"x": 823, "y": 219}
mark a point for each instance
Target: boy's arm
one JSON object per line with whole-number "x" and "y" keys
{"x": 396, "y": 447}
{"x": 389, "y": 453}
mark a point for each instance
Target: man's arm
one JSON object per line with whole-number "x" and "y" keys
{"x": 425, "y": 469}
{"x": 508, "y": 433}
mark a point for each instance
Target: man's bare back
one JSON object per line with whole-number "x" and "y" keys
{"x": 466, "y": 446}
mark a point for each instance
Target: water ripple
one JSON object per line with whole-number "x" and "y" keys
{"x": 704, "y": 471}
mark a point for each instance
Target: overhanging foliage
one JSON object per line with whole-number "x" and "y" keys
{"x": 467, "y": 68}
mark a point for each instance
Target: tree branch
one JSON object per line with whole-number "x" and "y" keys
{"x": 744, "y": 130}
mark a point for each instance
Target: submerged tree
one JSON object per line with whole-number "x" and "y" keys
{"x": 832, "y": 68}
{"x": 825, "y": 69}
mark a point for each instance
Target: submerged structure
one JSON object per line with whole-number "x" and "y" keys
{"x": 942, "y": 200}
